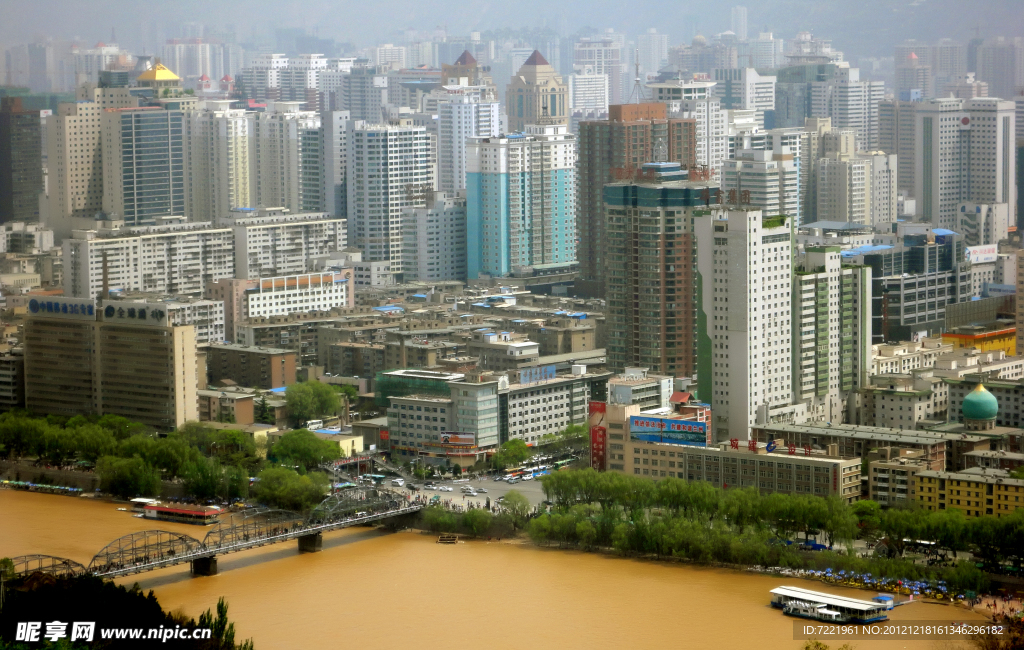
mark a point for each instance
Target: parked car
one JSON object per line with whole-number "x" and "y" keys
{"x": 480, "y": 489}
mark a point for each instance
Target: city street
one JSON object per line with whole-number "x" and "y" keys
{"x": 529, "y": 489}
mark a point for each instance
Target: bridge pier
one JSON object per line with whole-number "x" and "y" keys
{"x": 204, "y": 566}
{"x": 311, "y": 543}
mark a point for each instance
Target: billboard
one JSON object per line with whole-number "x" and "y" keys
{"x": 982, "y": 254}
{"x": 457, "y": 438}
{"x": 60, "y": 307}
{"x": 670, "y": 430}
{"x": 537, "y": 373}
{"x": 598, "y": 435}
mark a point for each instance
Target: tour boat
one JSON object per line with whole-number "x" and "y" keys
{"x": 804, "y": 603}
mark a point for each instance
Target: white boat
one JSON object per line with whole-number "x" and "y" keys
{"x": 815, "y": 611}
{"x": 795, "y": 601}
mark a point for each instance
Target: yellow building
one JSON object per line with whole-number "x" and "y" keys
{"x": 975, "y": 492}
{"x": 158, "y": 78}
{"x": 984, "y": 337}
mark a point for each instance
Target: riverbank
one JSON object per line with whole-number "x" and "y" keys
{"x": 397, "y": 590}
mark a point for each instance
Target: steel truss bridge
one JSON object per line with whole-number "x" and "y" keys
{"x": 149, "y": 550}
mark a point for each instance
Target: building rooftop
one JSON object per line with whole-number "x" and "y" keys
{"x": 984, "y": 474}
{"x": 249, "y": 348}
{"x": 159, "y": 72}
{"x": 879, "y": 434}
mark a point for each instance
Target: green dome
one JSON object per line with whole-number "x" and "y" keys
{"x": 980, "y": 405}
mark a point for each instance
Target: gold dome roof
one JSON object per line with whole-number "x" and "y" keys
{"x": 158, "y": 72}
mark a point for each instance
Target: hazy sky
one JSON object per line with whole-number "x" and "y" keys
{"x": 857, "y": 26}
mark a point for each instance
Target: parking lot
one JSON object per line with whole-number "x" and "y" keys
{"x": 494, "y": 489}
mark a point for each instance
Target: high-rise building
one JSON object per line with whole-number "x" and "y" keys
{"x": 897, "y": 135}
{"x": 1001, "y": 65}
{"x": 364, "y": 93}
{"x": 143, "y": 163}
{"x": 128, "y": 362}
{"x": 912, "y": 76}
{"x": 833, "y": 340}
{"x": 738, "y": 22}
{"x": 883, "y": 181}
{"x": 288, "y": 158}
{"x": 536, "y": 96}
{"x": 521, "y": 201}
{"x": 744, "y": 317}
{"x": 588, "y": 90}
{"x": 435, "y": 239}
{"x": 965, "y": 153}
{"x": 965, "y": 87}
{"x": 695, "y": 100}
{"x": 389, "y": 171}
{"x": 604, "y": 56}
{"x": 334, "y": 127}
{"x": 744, "y": 88}
{"x": 653, "y": 51}
{"x": 218, "y": 161}
{"x": 459, "y": 118}
{"x": 632, "y": 135}
{"x": 467, "y": 72}
{"x": 765, "y": 52}
{"x": 392, "y": 56}
{"x": 832, "y": 90}
{"x": 843, "y": 190}
{"x": 21, "y": 162}
{"x": 765, "y": 179}
{"x": 272, "y": 242}
{"x": 74, "y": 159}
{"x": 652, "y": 312}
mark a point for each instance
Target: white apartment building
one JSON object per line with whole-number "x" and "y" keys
{"x": 271, "y": 242}
{"x": 262, "y": 78}
{"x": 881, "y": 174}
{"x": 540, "y": 408}
{"x": 843, "y": 190}
{"x": 588, "y": 90}
{"x": 900, "y": 401}
{"x": 983, "y": 224}
{"x": 175, "y": 259}
{"x": 74, "y": 156}
{"x": 390, "y": 171}
{"x": 206, "y": 315}
{"x": 435, "y": 239}
{"x": 695, "y": 99}
{"x": 652, "y": 51}
{"x": 604, "y": 56}
{"x": 966, "y": 155}
{"x": 364, "y": 93}
{"x": 190, "y": 58}
{"x": 745, "y": 261}
{"x": 765, "y": 52}
{"x": 281, "y": 295}
{"x": 390, "y": 55}
{"x": 461, "y": 117}
{"x": 907, "y": 356}
{"x": 744, "y": 88}
{"x": 850, "y": 102}
{"x": 288, "y": 158}
{"x": 218, "y": 160}
{"x": 334, "y": 127}
{"x": 771, "y": 177}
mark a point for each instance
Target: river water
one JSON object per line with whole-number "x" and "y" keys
{"x": 376, "y": 590}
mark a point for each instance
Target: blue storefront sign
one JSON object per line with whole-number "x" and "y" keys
{"x": 673, "y": 431}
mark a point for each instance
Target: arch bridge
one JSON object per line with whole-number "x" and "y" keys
{"x": 148, "y": 550}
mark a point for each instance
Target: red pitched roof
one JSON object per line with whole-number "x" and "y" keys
{"x": 204, "y": 78}
{"x": 679, "y": 397}
{"x": 536, "y": 59}
{"x": 465, "y": 59}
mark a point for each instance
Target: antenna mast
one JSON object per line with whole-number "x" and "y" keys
{"x": 638, "y": 89}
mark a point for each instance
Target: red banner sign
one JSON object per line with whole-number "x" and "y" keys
{"x": 598, "y": 439}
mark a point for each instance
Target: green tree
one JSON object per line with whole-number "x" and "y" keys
{"x": 263, "y": 414}
{"x": 222, "y": 631}
{"x": 56, "y": 446}
{"x": 202, "y": 478}
{"x": 92, "y": 441}
{"x": 121, "y": 427}
{"x": 839, "y": 522}
{"x": 511, "y": 454}
{"x": 456, "y": 470}
{"x": 869, "y": 518}
{"x": 302, "y": 447}
{"x": 6, "y": 569}
{"x": 517, "y": 506}
{"x": 477, "y": 521}
{"x": 310, "y": 399}
{"x": 900, "y": 525}
{"x": 280, "y": 487}
{"x": 127, "y": 477}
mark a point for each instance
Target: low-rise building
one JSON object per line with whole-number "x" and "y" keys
{"x": 994, "y": 459}
{"x": 226, "y": 405}
{"x": 900, "y": 401}
{"x": 375, "y": 433}
{"x": 891, "y": 473}
{"x": 634, "y": 447}
{"x": 969, "y": 361}
{"x": 974, "y": 492}
{"x": 1007, "y": 395}
{"x": 307, "y": 292}
{"x": 206, "y": 315}
{"x": 637, "y": 386}
{"x": 351, "y": 359}
{"x": 906, "y": 356}
{"x": 501, "y": 351}
{"x": 1000, "y": 335}
{"x": 253, "y": 367}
